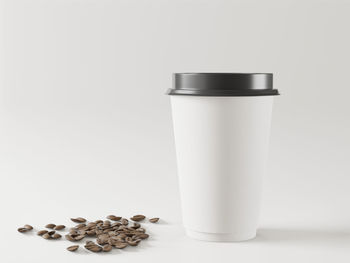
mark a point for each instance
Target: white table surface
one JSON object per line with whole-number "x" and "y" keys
{"x": 291, "y": 230}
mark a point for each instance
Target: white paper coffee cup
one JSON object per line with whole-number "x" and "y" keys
{"x": 221, "y": 127}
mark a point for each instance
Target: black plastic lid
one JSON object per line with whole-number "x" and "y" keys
{"x": 223, "y": 84}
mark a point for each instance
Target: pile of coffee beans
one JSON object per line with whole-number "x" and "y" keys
{"x": 115, "y": 232}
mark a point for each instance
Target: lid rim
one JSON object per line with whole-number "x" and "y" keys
{"x": 223, "y": 93}
{"x": 223, "y": 84}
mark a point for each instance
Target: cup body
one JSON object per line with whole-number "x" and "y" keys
{"x": 221, "y": 148}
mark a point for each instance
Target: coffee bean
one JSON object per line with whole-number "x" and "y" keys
{"x": 42, "y": 232}
{"x": 73, "y": 232}
{"x": 114, "y": 218}
{"x": 142, "y": 236}
{"x": 125, "y": 221}
{"x": 107, "y": 248}
{"x": 93, "y": 247}
{"x": 136, "y": 225}
{"x": 132, "y": 243}
{"x": 28, "y": 227}
{"x": 154, "y": 220}
{"x": 122, "y": 235}
{"x": 80, "y": 226}
{"x": 80, "y": 237}
{"x": 142, "y": 230}
{"x": 56, "y": 236}
{"x": 51, "y": 226}
{"x": 46, "y": 236}
{"x": 81, "y": 232}
{"x": 99, "y": 232}
{"x": 69, "y": 238}
{"x": 116, "y": 224}
{"x": 22, "y": 229}
{"x": 51, "y": 232}
{"x": 120, "y": 245}
{"x": 90, "y": 233}
{"x": 59, "y": 227}
{"x": 138, "y": 218}
{"x": 111, "y": 233}
{"x": 112, "y": 241}
{"x": 73, "y": 248}
{"x": 102, "y": 239}
{"x": 78, "y": 220}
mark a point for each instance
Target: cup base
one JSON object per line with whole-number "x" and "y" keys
{"x": 220, "y": 237}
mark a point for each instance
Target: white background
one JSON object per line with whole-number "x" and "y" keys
{"x": 85, "y": 127}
